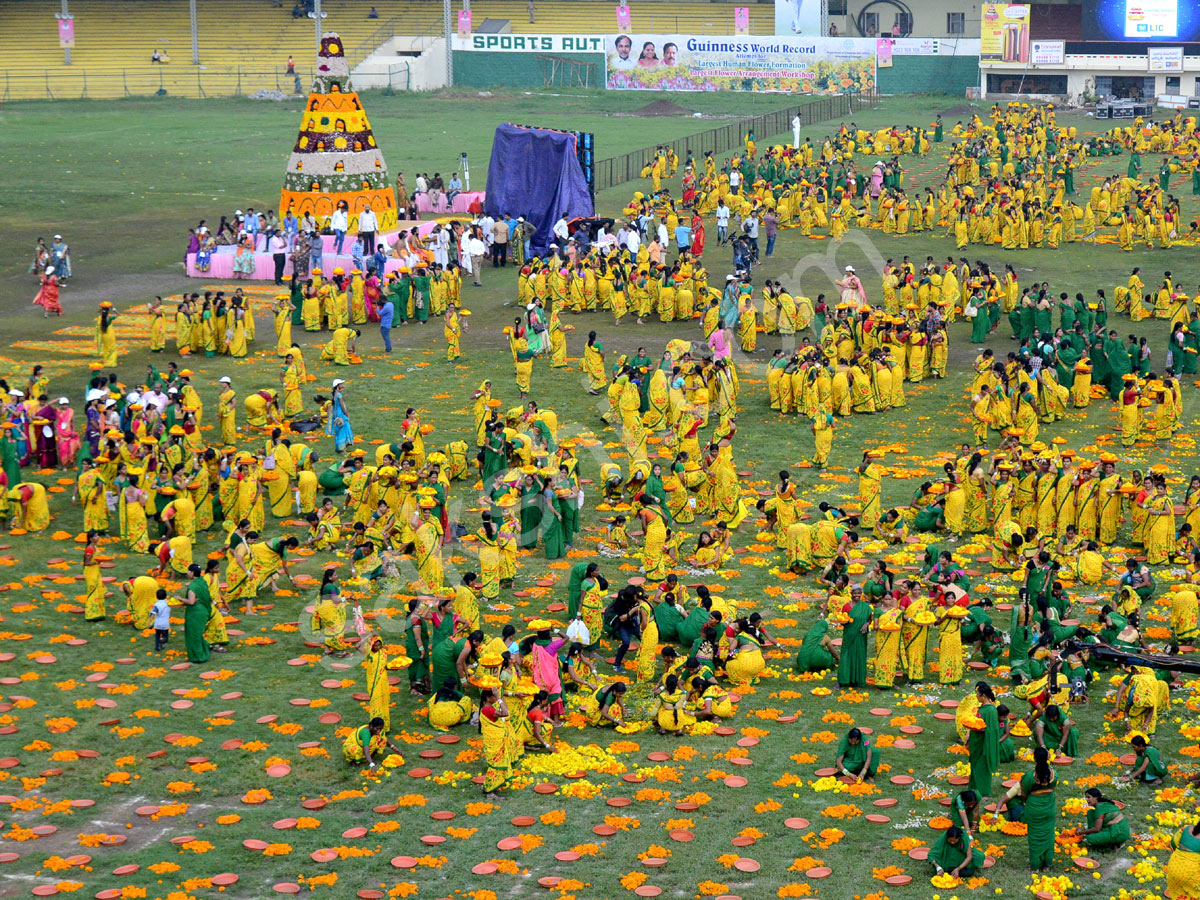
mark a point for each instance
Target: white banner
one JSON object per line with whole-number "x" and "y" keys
{"x": 914, "y": 46}
{"x": 529, "y": 43}
{"x": 1048, "y": 53}
{"x": 1165, "y": 59}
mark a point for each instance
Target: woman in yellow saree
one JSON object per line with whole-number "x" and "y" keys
{"x": 106, "y": 335}
{"x": 489, "y": 560}
{"x": 1145, "y": 699}
{"x": 94, "y": 609}
{"x": 950, "y": 656}
{"x": 672, "y": 715}
{"x": 914, "y": 638}
{"x": 283, "y": 323}
{"x": 593, "y": 364}
{"x": 136, "y": 534}
{"x": 428, "y": 540}
{"x": 379, "y": 690}
{"x": 654, "y": 557}
{"x": 647, "y": 655}
{"x": 1160, "y": 525}
{"x": 500, "y": 745}
{"x": 889, "y": 660}
{"x": 449, "y": 707}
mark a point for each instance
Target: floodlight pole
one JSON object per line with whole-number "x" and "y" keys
{"x": 195, "y": 32}
{"x": 449, "y": 43}
{"x": 317, "y": 19}
{"x": 66, "y": 50}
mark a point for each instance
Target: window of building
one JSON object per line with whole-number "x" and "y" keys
{"x": 1172, "y": 84}
{"x": 904, "y": 22}
{"x": 1029, "y": 84}
{"x": 870, "y": 23}
{"x": 956, "y": 23}
{"x": 837, "y": 7}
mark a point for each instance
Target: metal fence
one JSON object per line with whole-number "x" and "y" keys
{"x": 617, "y": 170}
{"x": 149, "y": 81}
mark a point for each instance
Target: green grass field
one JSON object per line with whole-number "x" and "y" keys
{"x": 125, "y": 221}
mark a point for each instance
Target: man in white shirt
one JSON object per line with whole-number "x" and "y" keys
{"x": 422, "y": 186}
{"x": 367, "y": 225}
{"x": 634, "y": 242}
{"x": 339, "y": 223}
{"x": 486, "y": 224}
{"x": 561, "y": 232}
{"x": 277, "y": 246}
{"x": 664, "y": 238}
{"x": 796, "y": 131}
{"x": 478, "y": 250}
{"x": 722, "y": 221}
{"x": 735, "y": 180}
{"x": 154, "y": 397}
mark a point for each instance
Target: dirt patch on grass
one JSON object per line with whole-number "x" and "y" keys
{"x": 661, "y": 108}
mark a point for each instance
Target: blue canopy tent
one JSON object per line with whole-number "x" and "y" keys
{"x": 535, "y": 173}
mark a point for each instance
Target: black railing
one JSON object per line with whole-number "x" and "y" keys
{"x": 617, "y": 170}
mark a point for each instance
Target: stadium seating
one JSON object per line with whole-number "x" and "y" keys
{"x": 114, "y": 41}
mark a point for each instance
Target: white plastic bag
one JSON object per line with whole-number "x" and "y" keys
{"x": 577, "y": 631}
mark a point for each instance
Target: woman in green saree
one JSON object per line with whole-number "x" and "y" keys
{"x": 1056, "y": 732}
{"x": 857, "y": 757}
{"x": 1107, "y": 827}
{"x": 817, "y": 653}
{"x": 198, "y": 601}
{"x": 554, "y": 543}
{"x": 983, "y": 743}
{"x": 852, "y": 665}
{"x": 1033, "y": 801}
{"x": 955, "y": 853}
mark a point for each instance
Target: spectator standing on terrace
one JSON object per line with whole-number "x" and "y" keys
{"x": 529, "y": 6}
{"x": 339, "y": 223}
{"x": 368, "y": 225}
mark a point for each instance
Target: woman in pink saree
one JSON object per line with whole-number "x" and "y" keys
{"x": 547, "y": 671}
{"x": 852, "y": 289}
{"x": 65, "y": 435}
{"x": 372, "y": 297}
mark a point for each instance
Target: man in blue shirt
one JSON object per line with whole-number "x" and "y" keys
{"x": 386, "y": 312}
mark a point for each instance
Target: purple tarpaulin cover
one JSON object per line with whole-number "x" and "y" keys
{"x": 534, "y": 173}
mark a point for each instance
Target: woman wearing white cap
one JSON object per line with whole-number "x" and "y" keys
{"x": 852, "y": 289}
{"x": 47, "y": 295}
{"x": 227, "y": 411}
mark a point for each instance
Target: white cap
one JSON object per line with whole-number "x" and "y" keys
{"x": 94, "y": 394}
{"x": 529, "y": 307}
{"x": 237, "y": 212}
{"x": 63, "y": 401}
{"x": 224, "y": 379}
{"x": 133, "y": 396}
{"x": 338, "y": 381}
{"x": 729, "y": 278}
{"x": 58, "y": 237}
{"x": 49, "y": 270}
{"x": 110, "y": 403}
{"x": 849, "y": 268}
{"x": 203, "y": 229}
{"x": 13, "y": 392}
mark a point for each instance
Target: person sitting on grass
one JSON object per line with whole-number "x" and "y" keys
{"x": 366, "y": 744}
{"x": 1148, "y": 765}
{"x": 856, "y": 757}
{"x": 955, "y": 853}
{"x": 1107, "y": 827}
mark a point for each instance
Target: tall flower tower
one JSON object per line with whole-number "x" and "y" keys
{"x": 336, "y": 157}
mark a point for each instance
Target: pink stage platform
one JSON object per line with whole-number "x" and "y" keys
{"x": 221, "y": 266}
